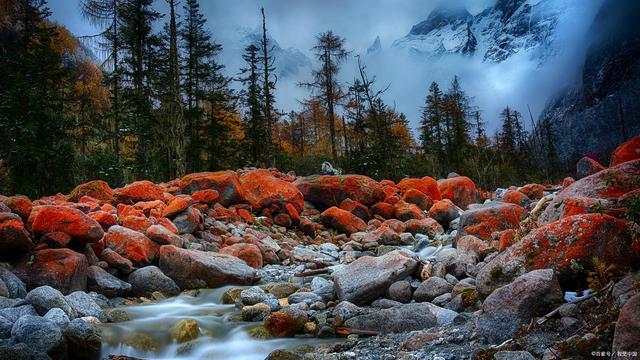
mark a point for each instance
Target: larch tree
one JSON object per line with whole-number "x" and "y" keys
{"x": 330, "y": 51}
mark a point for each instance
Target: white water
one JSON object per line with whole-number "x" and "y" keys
{"x": 221, "y": 338}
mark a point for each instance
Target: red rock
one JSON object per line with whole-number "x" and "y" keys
{"x": 205, "y": 196}
{"x": 168, "y": 225}
{"x": 569, "y": 246}
{"x": 394, "y": 224}
{"x": 293, "y": 213}
{"x": 282, "y": 219}
{"x": 285, "y": 323}
{"x": 98, "y": 247}
{"x": 567, "y": 181}
{"x": 176, "y": 206}
{"x": 405, "y": 211}
{"x": 393, "y": 199}
{"x": 356, "y": 209}
{"x": 342, "y": 221}
{"x": 516, "y": 197}
{"x": 460, "y": 189}
{"x": 137, "y": 223}
{"x": 426, "y": 226}
{"x": 444, "y": 211}
{"x": 388, "y": 183}
{"x": 63, "y": 269}
{"x": 13, "y": 236}
{"x": 587, "y": 166}
{"x": 262, "y": 189}
{"x": 611, "y": 183}
{"x": 308, "y": 227}
{"x": 506, "y": 239}
{"x": 20, "y": 205}
{"x": 628, "y": 151}
{"x": 74, "y": 222}
{"x": 56, "y": 240}
{"x": 484, "y": 221}
{"x": 329, "y": 190}
{"x": 105, "y": 219}
{"x": 248, "y": 253}
{"x": 417, "y": 197}
{"x": 116, "y": 261}
{"x": 132, "y": 245}
{"x": 163, "y": 236}
{"x": 149, "y": 207}
{"x": 533, "y": 191}
{"x": 383, "y": 209}
{"x": 245, "y": 215}
{"x": 472, "y": 243}
{"x": 138, "y": 191}
{"x": 426, "y": 185}
{"x": 226, "y": 183}
{"x": 97, "y": 189}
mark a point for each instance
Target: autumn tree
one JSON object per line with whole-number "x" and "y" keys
{"x": 330, "y": 52}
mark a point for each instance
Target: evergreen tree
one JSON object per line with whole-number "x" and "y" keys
{"x": 254, "y": 123}
{"x": 431, "y": 122}
{"x": 508, "y": 134}
{"x": 200, "y": 73}
{"x": 36, "y": 151}
{"x": 139, "y": 45}
{"x": 268, "y": 87}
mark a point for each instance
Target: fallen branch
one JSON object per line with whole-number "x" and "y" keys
{"x": 543, "y": 319}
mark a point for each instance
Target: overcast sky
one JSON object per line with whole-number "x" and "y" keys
{"x": 295, "y": 23}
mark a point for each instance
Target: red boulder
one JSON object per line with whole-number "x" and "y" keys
{"x": 138, "y": 191}
{"x": 249, "y": 253}
{"x": 483, "y": 221}
{"x": 132, "y": 245}
{"x": 628, "y": 151}
{"x": 342, "y": 221}
{"x": 96, "y": 189}
{"x": 13, "y": 236}
{"x": 460, "y": 189}
{"x": 71, "y": 221}
{"x": 262, "y": 189}
{"x": 63, "y": 269}
{"x": 426, "y": 185}
{"x": 329, "y": 190}
{"x": 226, "y": 183}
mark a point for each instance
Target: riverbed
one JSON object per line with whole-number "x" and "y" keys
{"x": 148, "y": 332}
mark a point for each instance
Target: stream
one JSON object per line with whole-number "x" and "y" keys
{"x": 223, "y": 336}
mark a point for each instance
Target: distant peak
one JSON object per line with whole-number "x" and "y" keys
{"x": 442, "y": 15}
{"x": 376, "y": 47}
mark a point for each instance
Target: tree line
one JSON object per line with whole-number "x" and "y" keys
{"x": 158, "y": 105}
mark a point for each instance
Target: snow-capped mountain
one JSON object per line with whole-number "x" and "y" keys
{"x": 375, "y": 48}
{"x": 289, "y": 63}
{"x": 494, "y": 35}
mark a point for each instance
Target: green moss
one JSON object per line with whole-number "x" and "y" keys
{"x": 497, "y": 272}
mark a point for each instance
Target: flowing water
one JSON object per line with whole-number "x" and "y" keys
{"x": 149, "y": 330}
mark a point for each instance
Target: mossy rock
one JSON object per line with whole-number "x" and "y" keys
{"x": 185, "y": 330}
{"x": 283, "y": 355}
{"x": 259, "y": 332}
{"x": 117, "y": 315}
{"x": 281, "y": 289}
{"x": 232, "y": 295}
{"x": 142, "y": 342}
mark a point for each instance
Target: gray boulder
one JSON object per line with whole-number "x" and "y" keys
{"x": 626, "y": 338}
{"x": 304, "y": 297}
{"x": 149, "y": 279}
{"x": 513, "y": 305}
{"x": 38, "y": 333}
{"x": 431, "y": 289}
{"x": 15, "y": 286}
{"x": 403, "y": 318}
{"x": 45, "y": 298}
{"x": 194, "y": 269}
{"x": 84, "y": 305}
{"x": 513, "y": 355}
{"x": 368, "y": 278}
{"x": 252, "y": 295}
{"x": 58, "y": 317}
{"x": 83, "y": 339}
{"x": 100, "y": 281}
{"x": 400, "y": 291}
{"x": 5, "y": 327}
{"x": 14, "y": 313}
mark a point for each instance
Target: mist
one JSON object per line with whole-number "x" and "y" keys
{"x": 520, "y": 82}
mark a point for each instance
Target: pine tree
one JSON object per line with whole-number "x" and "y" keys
{"x": 139, "y": 45}
{"x": 268, "y": 87}
{"x": 106, "y": 13}
{"x": 255, "y": 122}
{"x": 431, "y": 122}
{"x": 508, "y": 134}
{"x": 200, "y": 73}
{"x": 36, "y": 150}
